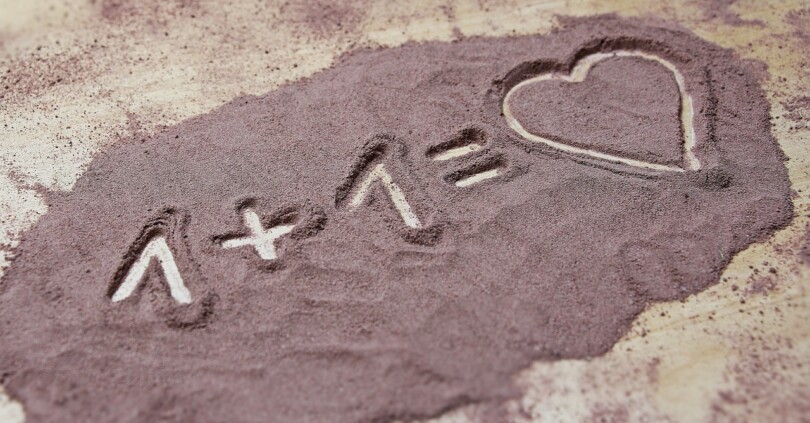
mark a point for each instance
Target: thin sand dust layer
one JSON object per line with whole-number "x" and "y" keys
{"x": 353, "y": 244}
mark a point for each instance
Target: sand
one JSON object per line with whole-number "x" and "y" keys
{"x": 377, "y": 308}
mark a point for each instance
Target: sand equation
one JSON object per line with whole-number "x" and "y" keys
{"x": 372, "y": 170}
{"x": 348, "y": 246}
{"x": 262, "y": 235}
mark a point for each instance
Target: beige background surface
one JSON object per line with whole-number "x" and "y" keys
{"x": 75, "y": 75}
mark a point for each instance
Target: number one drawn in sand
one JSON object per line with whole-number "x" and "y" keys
{"x": 381, "y": 175}
{"x": 157, "y": 249}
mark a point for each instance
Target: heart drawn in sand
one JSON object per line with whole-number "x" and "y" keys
{"x": 631, "y": 134}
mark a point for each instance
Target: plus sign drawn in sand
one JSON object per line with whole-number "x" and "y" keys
{"x": 409, "y": 248}
{"x": 261, "y": 239}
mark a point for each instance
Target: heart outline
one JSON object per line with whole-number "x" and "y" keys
{"x": 578, "y": 74}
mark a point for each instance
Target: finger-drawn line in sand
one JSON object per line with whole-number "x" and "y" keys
{"x": 261, "y": 239}
{"x": 457, "y": 152}
{"x": 380, "y": 174}
{"x": 478, "y": 177}
{"x": 468, "y": 141}
{"x": 578, "y": 74}
{"x": 157, "y": 248}
{"x": 481, "y": 170}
